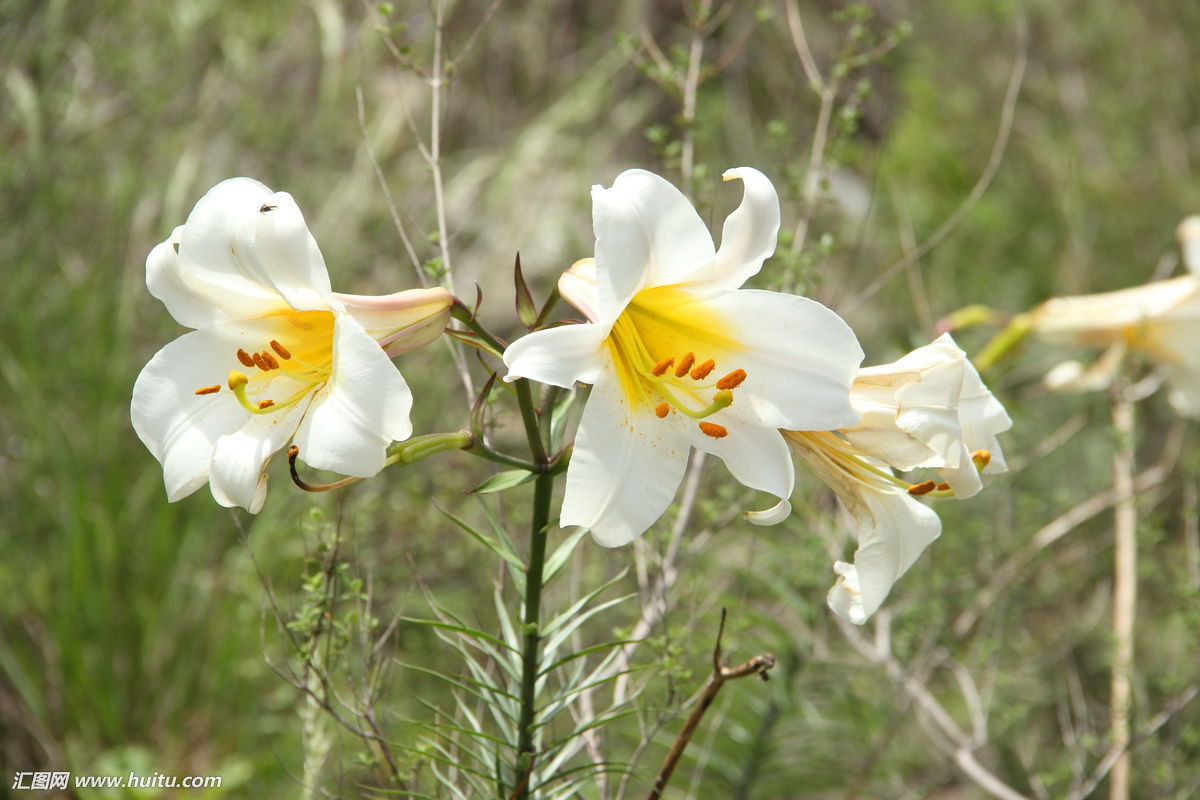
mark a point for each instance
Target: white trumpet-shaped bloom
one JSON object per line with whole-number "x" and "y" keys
{"x": 275, "y": 354}
{"x": 679, "y": 357}
{"x": 1161, "y": 319}
{"x": 929, "y": 409}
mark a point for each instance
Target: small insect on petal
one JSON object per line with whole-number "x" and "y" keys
{"x": 661, "y": 367}
{"x": 265, "y": 208}
{"x": 209, "y": 389}
{"x": 283, "y": 352}
{"x": 245, "y": 358}
{"x": 925, "y": 487}
{"x": 701, "y": 370}
{"x": 662, "y": 409}
{"x": 685, "y": 364}
{"x": 713, "y": 430}
{"x": 732, "y": 380}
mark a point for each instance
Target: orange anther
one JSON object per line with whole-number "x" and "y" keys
{"x": 713, "y": 430}
{"x": 922, "y": 488}
{"x": 662, "y": 409}
{"x": 281, "y": 350}
{"x": 981, "y": 458}
{"x": 261, "y": 362}
{"x": 732, "y": 380}
{"x": 265, "y": 403}
{"x": 685, "y": 364}
{"x": 661, "y": 367}
{"x": 943, "y": 487}
{"x": 270, "y": 359}
{"x": 245, "y": 358}
{"x": 209, "y": 389}
{"x": 701, "y": 370}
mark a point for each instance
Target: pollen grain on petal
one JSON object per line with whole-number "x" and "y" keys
{"x": 925, "y": 487}
{"x": 265, "y": 403}
{"x": 732, "y": 380}
{"x": 662, "y": 409}
{"x": 701, "y": 370}
{"x": 713, "y": 430}
{"x": 283, "y": 352}
{"x": 685, "y": 364}
{"x": 245, "y": 358}
{"x": 661, "y": 367}
{"x": 209, "y": 389}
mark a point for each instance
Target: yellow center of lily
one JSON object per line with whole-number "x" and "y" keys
{"x": 295, "y": 357}
{"x": 654, "y": 345}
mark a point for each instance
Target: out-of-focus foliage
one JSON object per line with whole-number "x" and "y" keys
{"x": 133, "y": 632}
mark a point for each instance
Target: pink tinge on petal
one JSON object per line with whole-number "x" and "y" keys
{"x": 579, "y": 288}
{"x": 401, "y": 321}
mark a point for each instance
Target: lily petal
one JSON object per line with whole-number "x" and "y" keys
{"x": 757, "y": 457}
{"x": 1188, "y": 234}
{"x": 180, "y": 428}
{"x": 893, "y": 530}
{"x": 626, "y": 467}
{"x": 749, "y": 235}
{"x": 557, "y": 356}
{"x": 287, "y": 254}
{"x": 401, "y": 321}
{"x": 361, "y": 410}
{"x": 800, "y": 359}
{"x": 579, "y": 288}
{"x": 647, "y": 234}
{"x": 239, "y": 461}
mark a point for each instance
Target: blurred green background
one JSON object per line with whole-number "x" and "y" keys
{"x": 133, "y": 632}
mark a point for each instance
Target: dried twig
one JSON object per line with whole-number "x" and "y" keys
{"x": 1124, "y": 590}
{"x": 759, "y": 665}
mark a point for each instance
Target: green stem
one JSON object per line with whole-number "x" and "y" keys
{"x": 543, "y": 491}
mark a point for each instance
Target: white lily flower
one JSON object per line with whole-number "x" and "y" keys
{"x": 679, "y": 357}
{"x": 893, "y": 527}
{"x": 929, "y": 409}
{"x": 1161, "y": 319}
{"x": 276, "y": 355}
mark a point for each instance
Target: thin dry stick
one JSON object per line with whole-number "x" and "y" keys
{"x": 1114, "y": 753}
{"x": 691, "y": 82}
{"x": 827, "y": 92}
{"x": 1050, "y": 533}
{"x": 1124, "y": 589}
{"x": 962, "y": 747}
{"x": 759, "y": 665}
{"x": 985, "y": 179}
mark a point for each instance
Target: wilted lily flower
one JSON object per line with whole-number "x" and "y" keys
{"x": 679, "y": 357}
{"x": 930, "y": 409}
{"x": 276, "y": 355}
{"x": 1161, "y": 319}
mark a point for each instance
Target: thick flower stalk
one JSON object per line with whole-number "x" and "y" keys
{"x": 679, "y": 357}
{"x": 929, "y": 410}
{"x": 1160, "y": 319}
{"x": 275, "y": 354}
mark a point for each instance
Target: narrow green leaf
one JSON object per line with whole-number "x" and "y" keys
{"x": 504, "y": 480}
{"x": 559, "y": 557}
{"x": 526, "y": 308}
{"x": 501, "y": 548}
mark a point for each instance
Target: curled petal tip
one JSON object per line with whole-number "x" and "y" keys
{"x": 770, "y": 516}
